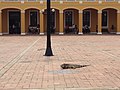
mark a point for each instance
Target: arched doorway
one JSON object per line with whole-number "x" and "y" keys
{"x": 90, "y": 20}
{"x": 32, "y": 21}
{"x": 11, "y": 19}
{"x": 71, "y": 21}
{"x": 54, "y": 20}
{"x": 109, "y": 20}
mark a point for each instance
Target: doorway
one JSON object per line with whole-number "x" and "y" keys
{"x": 14, "y": 22}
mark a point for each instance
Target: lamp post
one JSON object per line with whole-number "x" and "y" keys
{"x": 48, "y": 48}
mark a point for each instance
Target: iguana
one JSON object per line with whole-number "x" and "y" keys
{"x": 72, "y": 66}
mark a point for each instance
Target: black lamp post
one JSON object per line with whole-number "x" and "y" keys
{"x": 48, "y": 48}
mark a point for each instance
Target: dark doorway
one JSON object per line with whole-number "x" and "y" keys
{"x": 86, "y": 18}
{"x": 33, "y": 18}
{"x": 14, "y": 22}
{"x": 68, "y": 18}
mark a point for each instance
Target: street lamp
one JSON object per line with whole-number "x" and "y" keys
{"x": 48, "y": 48}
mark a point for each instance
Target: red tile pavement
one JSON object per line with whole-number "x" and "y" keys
{"x": 23, "y": 66}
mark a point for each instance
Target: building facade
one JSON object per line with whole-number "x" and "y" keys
{"x": 99, "y": 15}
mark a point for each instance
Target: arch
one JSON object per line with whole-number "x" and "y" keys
{"x": 31, "y": 8}
{"x": 90, "y": 8}
{"x": 110, "y": 8}
{"x": 11, "y": 8}
{"x": 71, "y": 8}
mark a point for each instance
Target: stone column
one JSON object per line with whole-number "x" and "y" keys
{"x": 99, "y": 22}
{"x": 22, "y": 22}
{"x": 41, "y": 23}
{"x": 118, "y": 22}
{"x": 0, "y": 22}
{"x": 61, "y": 24}
{"x": 80, "y": 22}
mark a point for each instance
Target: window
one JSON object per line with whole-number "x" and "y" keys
{"x": 86, "y": 18}
{"x": 33, "y": 18}
{"x": 104, "y": 18}
{"x": 68, "y": 18}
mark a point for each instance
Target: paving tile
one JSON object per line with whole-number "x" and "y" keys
{"x": 23, "y": 65}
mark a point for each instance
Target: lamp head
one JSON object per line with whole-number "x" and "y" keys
{"x": 53, "y": 10}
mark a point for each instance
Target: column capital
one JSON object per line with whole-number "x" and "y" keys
{"x": 61, "y": 11}
{"x": 80, "y": 11}
{"x": 61, "y": 2}
{"x": 118, "y": 11}
{"x": 80, "y": 2}
{"x": 41, "y": 2}
{"x": 22, "y": 1}
{"x": 42, "y": 11}
{"x": 22, "y": 11}
{"x": 99, "y": 2}
{"x": 99, "y": 11}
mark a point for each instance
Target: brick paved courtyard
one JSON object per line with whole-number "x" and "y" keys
{"x": 23, "y": 66}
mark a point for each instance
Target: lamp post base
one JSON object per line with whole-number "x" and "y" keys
{"x": 48, "y": 52}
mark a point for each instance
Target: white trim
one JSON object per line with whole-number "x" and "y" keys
{"x": 37, "y": 16}
{"x": 23, "y": 33}
{"x": 41, "y": 2}
{"x": 118, "y": 33}
{"x": 22, "y": 2}
{"x": 80, "y": 2}
{"x": 99, "y": 2}
{"x": 72, "y": 16}
{"x": 61, "y": 33}
{"x": 100, "y": 11}
{"x": 80, "y": 11}
{"x": 60, "y": 11}
{"x": 42, "y": 33}
{"x": 1, "y": 34}
{"x": 80, "y": 33}
{"x": 23, "y": 11}
{"x": 99, "y": 33}
{"x": 61, "y": 2}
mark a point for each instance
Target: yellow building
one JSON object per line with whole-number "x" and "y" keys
{"x": 17, "y": 16}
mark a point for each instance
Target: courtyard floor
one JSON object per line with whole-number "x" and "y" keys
{"x": 23, "y": 65}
